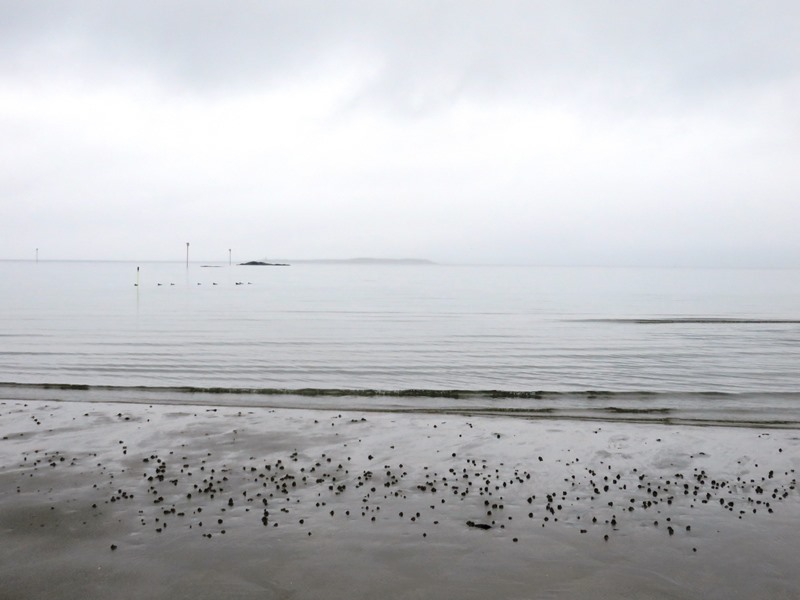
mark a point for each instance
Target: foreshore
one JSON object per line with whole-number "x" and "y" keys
{"x": 123, "y": 500}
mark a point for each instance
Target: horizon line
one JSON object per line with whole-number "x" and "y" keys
{"x": 366, "y": 261}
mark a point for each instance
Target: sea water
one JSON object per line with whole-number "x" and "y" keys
{"x": 378, "y": 329}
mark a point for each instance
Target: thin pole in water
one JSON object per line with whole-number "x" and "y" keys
{"x": 187, "y": 255}
{"x": 229, "y": 257}
{"x": 37, "y": 255}
{"x": 137, "y": 276}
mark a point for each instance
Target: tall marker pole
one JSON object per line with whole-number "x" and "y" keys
{"x": 37, "y": 255}
{"x": 187, "y": 255}
{"x": 229, "y": 257}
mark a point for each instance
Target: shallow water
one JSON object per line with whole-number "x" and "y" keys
{"x": 379, "y": 327}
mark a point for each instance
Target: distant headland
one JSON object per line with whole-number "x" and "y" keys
{"x": 350, "y": 261}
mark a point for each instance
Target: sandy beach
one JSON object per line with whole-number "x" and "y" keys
{"x": 155, "y": 501}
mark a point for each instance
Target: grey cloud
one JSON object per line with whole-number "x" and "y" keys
{"x": 428, "y": 53}
{"x": 620, "y": 132}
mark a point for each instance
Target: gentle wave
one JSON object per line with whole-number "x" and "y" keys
{"x": 367, "y": 393}
{"x": 768, "y": 409}
{"x": 694, "y": 321}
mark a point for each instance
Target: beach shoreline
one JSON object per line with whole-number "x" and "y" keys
{"x": 161, "y": 501}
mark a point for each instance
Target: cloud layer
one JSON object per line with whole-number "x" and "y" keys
{"x": 625, "y": 133}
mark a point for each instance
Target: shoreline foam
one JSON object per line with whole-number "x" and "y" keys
{"x": 701, "y": 408}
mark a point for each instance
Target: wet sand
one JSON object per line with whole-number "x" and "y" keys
{"x": 137, "y": 501}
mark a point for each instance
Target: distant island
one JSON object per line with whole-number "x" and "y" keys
{"x": 258, "y": 263}
{"x": 362, "y": 261}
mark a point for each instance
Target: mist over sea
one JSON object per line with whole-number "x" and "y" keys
{"x": 383, "y": 328}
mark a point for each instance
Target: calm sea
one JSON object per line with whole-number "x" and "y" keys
{"x": 500, "y": 338}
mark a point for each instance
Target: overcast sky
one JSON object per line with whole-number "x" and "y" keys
{"x": 593, "y": 133}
